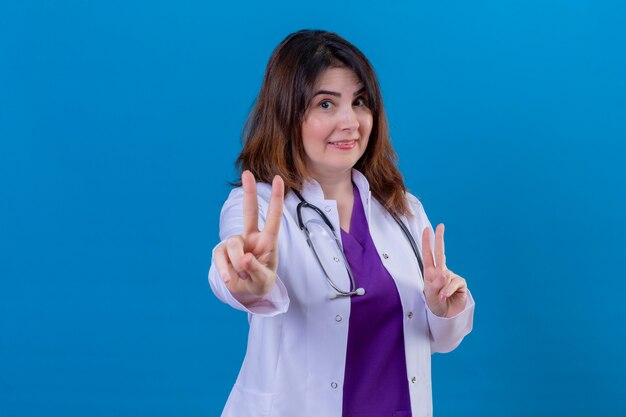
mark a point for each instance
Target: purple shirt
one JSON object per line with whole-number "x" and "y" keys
{"x": 375, "y": 382}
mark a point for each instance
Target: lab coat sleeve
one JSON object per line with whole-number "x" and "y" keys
{"x": 231, "y": 224}
{"x": 446, "y": 333}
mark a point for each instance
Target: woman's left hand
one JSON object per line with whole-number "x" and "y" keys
{"x": 445, "y": 291}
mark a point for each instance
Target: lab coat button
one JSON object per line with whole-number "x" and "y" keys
{"x": 413, "y": 379}
{"x": 385, "y": 256}
{"x": 327, "y": 209}
{"x": 410, "y": 315}
{"x": 336, "y": 259}
{"x": 338, "y": 318}
{"x": 333, "y": 385}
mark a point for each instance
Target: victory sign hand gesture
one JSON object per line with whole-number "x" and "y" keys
{"x": 247, "y": 263}
{"x": 445, "y": 291}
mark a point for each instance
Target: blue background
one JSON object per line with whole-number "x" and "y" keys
{"x": 119, "y": 126}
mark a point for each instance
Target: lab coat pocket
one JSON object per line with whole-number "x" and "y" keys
{"x": 245, "y": 402}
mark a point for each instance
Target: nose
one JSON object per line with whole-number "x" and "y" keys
{"x": 348, "y": 120}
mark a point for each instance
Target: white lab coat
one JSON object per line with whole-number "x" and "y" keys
{"x": 296, "y": 354}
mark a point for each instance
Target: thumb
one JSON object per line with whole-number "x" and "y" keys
{"x": 261, "y": 277}
{"x": 437, "y": 283}
{"x": 252, "y": 265}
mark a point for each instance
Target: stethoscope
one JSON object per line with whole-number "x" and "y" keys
{"x": 338, "y": 292}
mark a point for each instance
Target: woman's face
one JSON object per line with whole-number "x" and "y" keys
{"x": 337, "y": 124}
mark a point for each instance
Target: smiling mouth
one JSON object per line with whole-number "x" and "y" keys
{"x": 350, "y": 142}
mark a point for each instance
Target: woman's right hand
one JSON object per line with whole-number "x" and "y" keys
{"x": 247, "y": 263}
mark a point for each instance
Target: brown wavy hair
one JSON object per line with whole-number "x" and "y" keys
{"x": 272, "y": 135}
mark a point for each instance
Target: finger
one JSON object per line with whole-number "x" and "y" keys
{"x": 448, "y": 275}
{"x": 456, "y": 284}
{"x": 234, "y": 251}
{"x": 435, "y": 282}
{"x": 252, "y": 266}
{"x": 224, "y": 267}
{"x": 440, "y": 252}
{"x": 427, "y": 252}
{"x": 275, "y": 211}
{"x": 265, "y": 258}
{"x": 260, "y": 274}
{"x": 250, "y": 203}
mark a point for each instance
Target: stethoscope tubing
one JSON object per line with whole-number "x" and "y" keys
{"x": 353, "y": 289}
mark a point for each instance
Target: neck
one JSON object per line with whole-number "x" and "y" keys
{"x": 335, "y": 187}
{"x": 339, "y": 188}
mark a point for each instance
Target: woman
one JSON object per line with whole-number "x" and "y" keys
{"x": 342, "y": 320}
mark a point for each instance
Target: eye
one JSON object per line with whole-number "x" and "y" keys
{"x": 361, "y": 102}
{"x": 325, "y": 104}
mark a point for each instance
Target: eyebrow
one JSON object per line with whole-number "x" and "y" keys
{"x": 336, "y": 94}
